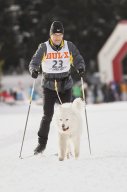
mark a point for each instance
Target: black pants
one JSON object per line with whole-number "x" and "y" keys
{"x": 49, "y": 99}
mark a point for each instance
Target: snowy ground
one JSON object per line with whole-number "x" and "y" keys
{"x": 103, "y": 171}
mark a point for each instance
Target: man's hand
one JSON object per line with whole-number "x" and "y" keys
{"x": 34, "y": 74}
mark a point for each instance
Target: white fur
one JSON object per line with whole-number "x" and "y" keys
{"x": 69, "y": 116}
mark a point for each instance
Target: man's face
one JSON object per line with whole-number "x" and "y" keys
{"x": 57, "y": 38}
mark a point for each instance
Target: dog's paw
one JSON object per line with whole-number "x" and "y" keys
{"x": 76, "y": 155}
{"x": 61, "y": 158}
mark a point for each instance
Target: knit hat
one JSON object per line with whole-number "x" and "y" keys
{"x": 56, "y": 27}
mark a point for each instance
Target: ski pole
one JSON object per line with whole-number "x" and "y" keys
{"x": 86, "y": 114}
{"x": 31, "y": 96}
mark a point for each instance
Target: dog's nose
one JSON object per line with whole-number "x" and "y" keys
{"x": 63, "y": 125}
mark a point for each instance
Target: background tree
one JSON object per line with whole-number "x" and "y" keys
{"x": 25, "y": 24}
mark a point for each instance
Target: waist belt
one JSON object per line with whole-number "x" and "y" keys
{"x": 57, "y": 79}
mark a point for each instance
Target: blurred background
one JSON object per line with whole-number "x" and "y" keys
{"x": 92, "y": 25}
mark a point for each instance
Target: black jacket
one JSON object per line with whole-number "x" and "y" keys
{"x": 64, "y": 80}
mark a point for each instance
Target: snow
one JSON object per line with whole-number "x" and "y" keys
{"x": 103, "y": 171}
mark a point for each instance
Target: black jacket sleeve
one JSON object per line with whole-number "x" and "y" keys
{"x": 35, "y": 63}
{"x": 78, "y": 60}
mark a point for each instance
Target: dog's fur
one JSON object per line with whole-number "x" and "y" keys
{"x": 69, "y": 119}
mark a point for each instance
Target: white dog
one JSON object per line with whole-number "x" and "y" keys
{"x": 69, "y": 118}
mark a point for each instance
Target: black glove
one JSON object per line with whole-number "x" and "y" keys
{"x": 34, "y": 74}
{"x": 81, "y": 72}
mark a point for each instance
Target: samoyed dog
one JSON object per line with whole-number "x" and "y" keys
{"x": 69, "y": 120}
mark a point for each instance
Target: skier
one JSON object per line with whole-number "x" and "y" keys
{"x": 55, "y": 57}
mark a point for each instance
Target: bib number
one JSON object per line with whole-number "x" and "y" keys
{"x": 58, "y": 65}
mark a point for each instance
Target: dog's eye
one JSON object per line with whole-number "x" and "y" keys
{"x": 67, "y": 119}
{"x": 60, "y": 119}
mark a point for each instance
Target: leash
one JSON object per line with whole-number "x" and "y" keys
{"x": 56, "y": 89}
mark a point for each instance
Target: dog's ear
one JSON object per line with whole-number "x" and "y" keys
{"x": 78, "y": 103}
{"x": 77, "y": 100}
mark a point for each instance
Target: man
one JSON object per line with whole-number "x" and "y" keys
{"x": 55, "y": 57}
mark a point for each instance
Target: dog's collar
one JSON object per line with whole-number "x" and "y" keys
{"x": 65, "y": 129}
